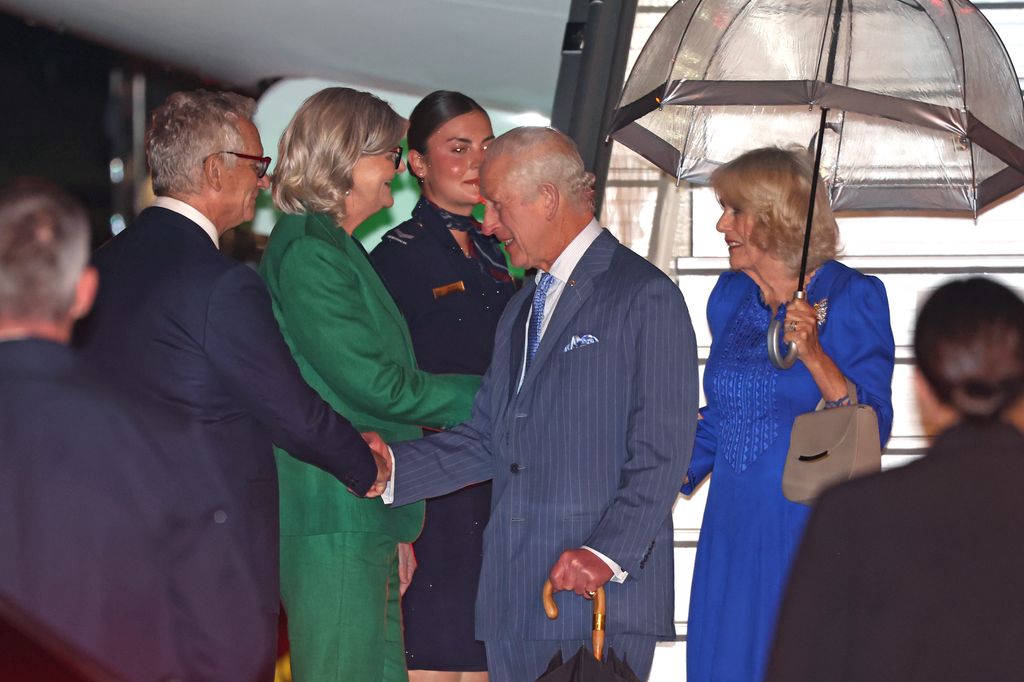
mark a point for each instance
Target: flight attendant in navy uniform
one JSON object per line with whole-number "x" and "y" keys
{"x": 451, "y": 283}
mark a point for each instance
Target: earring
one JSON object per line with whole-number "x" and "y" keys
{"x": 347, "y": 192}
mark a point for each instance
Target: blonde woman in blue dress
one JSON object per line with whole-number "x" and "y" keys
{"x": 842, "y": 333}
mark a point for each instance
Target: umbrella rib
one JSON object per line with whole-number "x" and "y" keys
{"x": 679, "y": 44}
{"x": 725, "y": 31}
{"x": 821, "y": 43}
{"x": 704, "y": 76}
{"x": 842, "y": 112}
{"x": 668, "y": 84}
{"x": 963, "y": 100}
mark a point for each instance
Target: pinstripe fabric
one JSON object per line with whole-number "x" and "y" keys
{"x": 591, "y": 450}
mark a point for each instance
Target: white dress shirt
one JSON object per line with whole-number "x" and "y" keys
{"x": 560, "y": 272}
{"x": 190, "y": 212}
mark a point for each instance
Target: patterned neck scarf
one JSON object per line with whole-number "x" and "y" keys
{"x": 487, "y": 252}
{"x": 452, "y": 221}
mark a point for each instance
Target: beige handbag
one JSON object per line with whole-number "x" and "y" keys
{"x": 830, "y": 446}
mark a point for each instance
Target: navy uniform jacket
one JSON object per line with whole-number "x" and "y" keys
{"x": 451, "y": 303}
{"x": 117, "y": 530}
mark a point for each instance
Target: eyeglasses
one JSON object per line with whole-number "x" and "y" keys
{"x": 262, "y": 162}
{"x": 397, "y": 152}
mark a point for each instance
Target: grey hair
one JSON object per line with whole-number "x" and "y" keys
{"x": 44, "y": 247}
{"x": 186, "y": 129}
{"x": 544, "y": 155}
{"x": 322, "y": 143}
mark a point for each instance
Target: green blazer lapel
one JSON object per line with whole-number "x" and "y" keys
{"x": 577, "y": 290}
{"x": 322, "y": 226}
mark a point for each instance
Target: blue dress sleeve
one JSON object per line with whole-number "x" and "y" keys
{"x": 863, "y": 344}
{"x": 722, "y": 304}
{"x": 704, "y": 445}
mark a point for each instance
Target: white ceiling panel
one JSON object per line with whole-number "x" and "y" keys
{"x": 505, "y": 54}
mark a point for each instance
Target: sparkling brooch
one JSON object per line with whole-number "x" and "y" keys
{"x": 821, "y": 310}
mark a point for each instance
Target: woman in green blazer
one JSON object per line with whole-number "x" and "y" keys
{"x": 340, "y": 553}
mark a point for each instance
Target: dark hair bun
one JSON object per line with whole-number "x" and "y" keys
{"x": 969, "y": 343}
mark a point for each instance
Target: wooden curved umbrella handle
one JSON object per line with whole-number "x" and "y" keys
{"x": 597, "y": 636}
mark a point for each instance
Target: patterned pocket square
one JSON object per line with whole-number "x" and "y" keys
{"x": 578, "y": 341}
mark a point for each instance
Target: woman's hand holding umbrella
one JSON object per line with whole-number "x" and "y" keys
{"x": 801, "y": 328}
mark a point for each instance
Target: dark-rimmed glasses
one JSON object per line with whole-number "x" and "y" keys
{"x": 262, "y": 162}
{"x": 397, "y": 153}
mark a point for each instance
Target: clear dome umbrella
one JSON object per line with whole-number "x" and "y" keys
{"x": 908, "y": 106}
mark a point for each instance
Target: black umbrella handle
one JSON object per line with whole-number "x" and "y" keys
{"x": 778, "y": 358}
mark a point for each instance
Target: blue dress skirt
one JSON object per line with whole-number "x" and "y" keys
{"x": 750, "y": 531}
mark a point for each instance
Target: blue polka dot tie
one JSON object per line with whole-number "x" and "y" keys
{"x": 540, "y": 295}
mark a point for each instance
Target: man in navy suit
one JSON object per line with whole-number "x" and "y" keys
{"x": 118, "y": 532}
{"x": 585, "y": 422}
{"x": 177, "y": 321}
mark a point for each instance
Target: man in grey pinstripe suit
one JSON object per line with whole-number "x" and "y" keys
{"x": 585, "y": 422}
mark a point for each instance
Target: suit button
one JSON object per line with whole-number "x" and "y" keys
{"x": 515, "y": 468}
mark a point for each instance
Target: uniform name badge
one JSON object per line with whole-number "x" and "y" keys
{"x": 446, "y": 289}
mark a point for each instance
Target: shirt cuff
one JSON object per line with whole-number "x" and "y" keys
{"x": 388, "y": 496}
{"x": 618, "y": 575}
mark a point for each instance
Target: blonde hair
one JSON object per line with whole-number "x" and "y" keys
{"x": 774, "y": 186}
{"x": 322, "y": 144}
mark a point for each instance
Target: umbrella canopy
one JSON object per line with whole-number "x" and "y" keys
{"x": 585, "y": 666}
{"x": 924, "y": 110}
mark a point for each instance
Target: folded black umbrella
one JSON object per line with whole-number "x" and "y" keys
{"x": 585, "y": 666}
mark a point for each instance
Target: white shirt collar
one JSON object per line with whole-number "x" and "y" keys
{"x": 193, "y": 214}
{"x": 570, "y": 257}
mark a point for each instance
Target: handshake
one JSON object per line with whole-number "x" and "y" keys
{"x": 382, "y": 457}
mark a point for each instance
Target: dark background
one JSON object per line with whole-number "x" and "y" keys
{"x": 63, "y": 118}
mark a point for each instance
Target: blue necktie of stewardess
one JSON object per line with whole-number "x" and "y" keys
{"x": 537, "y": 318}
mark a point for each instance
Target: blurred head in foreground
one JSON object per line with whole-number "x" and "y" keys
{"x": 969, "y": 345}
{"x": 45, "y": 282}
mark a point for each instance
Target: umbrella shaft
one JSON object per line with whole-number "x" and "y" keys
{"x": 813, "y": 197}
{"x": 830, "y": 67}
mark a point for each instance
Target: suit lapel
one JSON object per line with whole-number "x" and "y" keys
{"x": 323, "y": 227}
{"x": 577, "y": 290}
{"x": 518, "y": 342}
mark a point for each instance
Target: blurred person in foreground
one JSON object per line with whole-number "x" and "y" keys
{"x": 106, "y": 539}
{"x": 345, "y": 561}
{"x": 842, "y": 334}
{"x": 177, "y": 321}
{"x": 578, "y": 423}
{"x": 451, "y": 282}
{"x": 915, "y": 573}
